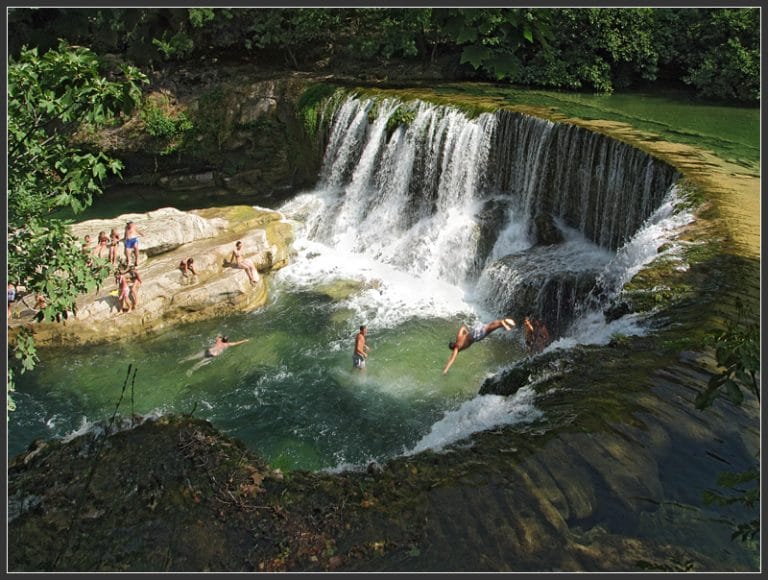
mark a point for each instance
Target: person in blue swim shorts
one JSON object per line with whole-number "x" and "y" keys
{"x": 466, "y": 337}
{"x": 131, "y": 242}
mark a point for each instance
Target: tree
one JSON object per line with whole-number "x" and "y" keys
{"x": 723, "y": 56}
{"x": 50, "y": 99}
{"x": 492, "y": 39}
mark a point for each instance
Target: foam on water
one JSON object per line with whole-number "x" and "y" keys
{"x": 101, "y": 428}
{"x": 481, "y": 413}
{"x": 592, "y": 328}
{"x": 658, "y": 229}
{"x": 389, "y": 296}
{"x": 414, "y": 254}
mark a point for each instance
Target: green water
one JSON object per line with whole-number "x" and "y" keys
{"x": 289, "y": 393}
{"x": 731, "y": 132}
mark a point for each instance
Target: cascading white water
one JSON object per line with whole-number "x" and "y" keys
{"x": 447, "y": 199}
{"x": 439, "y": 220}
{"x": 412, "y": 197}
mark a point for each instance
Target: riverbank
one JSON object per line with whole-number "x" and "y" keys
{"x": 168, "y": 297}
{"x": 610, "y": 479}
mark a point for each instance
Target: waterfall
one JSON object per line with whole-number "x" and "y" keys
{"x": 523, "y": 212}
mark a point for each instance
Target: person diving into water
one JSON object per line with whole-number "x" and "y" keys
{"x": 466, "y": 337}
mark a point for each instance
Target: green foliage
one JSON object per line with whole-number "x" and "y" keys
{"x": 715, "y": 51}
{"x": 389, "y": 32}
{"x": 737, "y": 350}
{"x": 50, "y": 97}
{"x": 493, "y": 40}
{"x": 676, "y": 563}
{"x": 310, "y": 103}
{"x": 178, "y": 45}
{"x": 168, "y": 128}
{"x": 198, "y": 17}
{"x": 741, "y": 488}
{"x": 295, "y": 34}
{"x": 401, "y": 117}
{"x": 723, "y": 54}
{"x": 211, "y": 120}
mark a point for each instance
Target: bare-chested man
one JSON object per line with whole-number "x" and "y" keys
{"x": 131, "y": 242}
{"x": 361, "y": 349}
{"x": 467, "y": 337}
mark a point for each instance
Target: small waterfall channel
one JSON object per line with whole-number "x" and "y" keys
{"x": 455, "y": 218}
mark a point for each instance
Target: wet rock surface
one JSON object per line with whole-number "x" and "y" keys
{"x": 602, "y": 485}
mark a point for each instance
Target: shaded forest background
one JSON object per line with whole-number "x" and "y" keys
{"x": 713, "y": 51}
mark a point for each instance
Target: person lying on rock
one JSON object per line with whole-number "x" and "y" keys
{"x": 467, "y": 337}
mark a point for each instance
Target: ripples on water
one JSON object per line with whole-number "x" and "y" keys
{"x": 368, "y": 252}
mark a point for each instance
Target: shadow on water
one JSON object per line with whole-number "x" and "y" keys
{"x": 289, "y": 393}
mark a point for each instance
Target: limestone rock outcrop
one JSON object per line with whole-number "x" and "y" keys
{"x": 166, "y": 296}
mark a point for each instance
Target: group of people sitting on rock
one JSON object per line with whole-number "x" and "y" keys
{"x": 237, "y": 259}
{"x": 127, "y": 277}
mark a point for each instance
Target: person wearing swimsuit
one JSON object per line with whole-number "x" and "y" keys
{"x": 131, "y": 241}
{"x": 466, "y": 337}
{"x": 114, "y": 242}
{"x": 124, "y": 290}
{"x": 240, "y": 261}
{"x": 220, "y": 345}
{"x": 360, "y": 353}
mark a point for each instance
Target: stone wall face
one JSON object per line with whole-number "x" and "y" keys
{"x": 247, "y": 138}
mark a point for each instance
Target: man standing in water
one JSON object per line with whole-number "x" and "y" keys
{"x": 360, "y": 354}
{"x": 466, "y": 337}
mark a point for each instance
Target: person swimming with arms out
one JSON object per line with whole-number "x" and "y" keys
{"x": 220, "y": 344}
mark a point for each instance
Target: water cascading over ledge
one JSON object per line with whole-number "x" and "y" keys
{"x": 497, "y": 202}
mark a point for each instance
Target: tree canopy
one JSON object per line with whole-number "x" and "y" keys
{"x": 716, "y": 51}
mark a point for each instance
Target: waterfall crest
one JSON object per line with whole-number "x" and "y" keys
{"x": 524, "y": 211}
